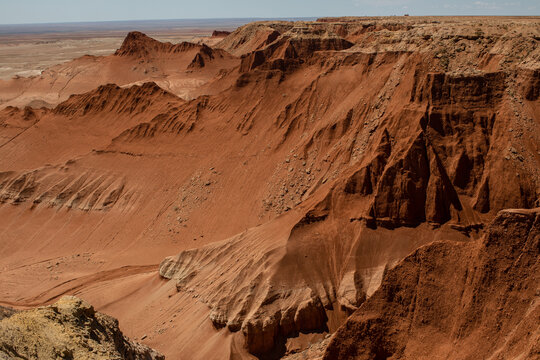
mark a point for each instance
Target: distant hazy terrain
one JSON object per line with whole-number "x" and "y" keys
{"x": 27, "y": 49}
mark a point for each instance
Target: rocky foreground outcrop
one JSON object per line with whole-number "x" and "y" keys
{"x": 68, "y": 329}
{"x": 455, "y": 300}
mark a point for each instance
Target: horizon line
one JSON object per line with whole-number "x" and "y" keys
{"x": 255, "y": 18}
{"x": 171, "y": 19}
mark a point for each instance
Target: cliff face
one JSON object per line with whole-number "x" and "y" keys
{"x": 423, "y": 150}
{"x": 482, "y": 295}
{"x": 278, "y": 200}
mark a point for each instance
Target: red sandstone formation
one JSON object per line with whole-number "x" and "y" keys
{"x": 249, "y": 197}
{"x": 482, "y": 295}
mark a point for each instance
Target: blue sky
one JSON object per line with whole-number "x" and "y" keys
{"x": 43, "y": 11}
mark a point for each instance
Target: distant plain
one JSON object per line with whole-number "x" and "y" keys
{"x": 26, "y": 50}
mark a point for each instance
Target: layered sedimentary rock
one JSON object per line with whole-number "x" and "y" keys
{"x": 455, "y": 300}
{"x": 422, "y": 147}
{"x": 285, "y": 184}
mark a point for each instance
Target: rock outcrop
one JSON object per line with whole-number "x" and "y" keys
{"x": 140, "y": 45}
{"x": 253, "y": 36}
{"x": 205, "y": 55}
{"x": 290, "y": 49}
{"x": 68, "y": 329}
{"x": 455, "y": 300}
{"x": 220, "y": 33}
{"x": 6, "y": 312}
